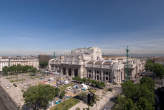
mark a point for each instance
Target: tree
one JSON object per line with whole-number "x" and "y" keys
{"x": 57, "y": 91}
{"x": 91, "y": 99}
{"x": 130, "y": 89}
{"x": 62, "y": 94}
{"x": 158, "y": 69}
{"x": 5, "y": 70}
{"x": 34, "y": 70}
{"x": 144, "y": 104}
{"x": 17, "y": 69}
{"x": 148, "y": 82}
{"x": 39, "y": 96}
{"x": 137, "y": 96}
{"x": 43, "y": 64}
{"x": 146, "y": 93}
{"x": 124, "y": 103}
{"x": 149, "y": 65}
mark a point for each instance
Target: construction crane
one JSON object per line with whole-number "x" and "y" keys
{"x": 54, "y": 55}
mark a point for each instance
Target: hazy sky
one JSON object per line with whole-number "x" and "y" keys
{"x": 43, "y": 26}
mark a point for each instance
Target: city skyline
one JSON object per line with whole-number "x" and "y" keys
{"x": 38, "y": 27}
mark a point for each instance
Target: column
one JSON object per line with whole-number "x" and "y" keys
{"x": 93, "y": 74}
{"x": 101, "y": 75}
{"x": 73, "y": 72}
{"x": 61, "y": 70}
{"x": 66, "y": 70}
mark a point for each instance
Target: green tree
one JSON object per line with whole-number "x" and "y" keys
{"x": 57, "y": 91}
{"x": 140, "y": 96}
{"x": 92, "y": 99}
{"x": 144, "y": 104}
{"x": 62, "y": 94}
{"x": 146, "y": 93}
{"x": 124, "y": 103}
{"x": 130, "y": 90}
{"x": 149, "y": 65}
{"x": 148, "y": 82}
{"x": 43, "y": 64}
{"x": 17, "y": 69}
{"x": 158, "y": 70}
{"x": 5, "y": 70}
{"x": 39, "y": 96}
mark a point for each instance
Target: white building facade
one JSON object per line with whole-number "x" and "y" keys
{"x": 89, "y": 63}
{"x": 10, "y": 61}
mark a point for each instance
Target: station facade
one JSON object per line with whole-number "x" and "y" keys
{"x": 89, "y": 63}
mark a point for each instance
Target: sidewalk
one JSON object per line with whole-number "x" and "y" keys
{"x": 14, "y": 92}
{"x": 99, "y": 104}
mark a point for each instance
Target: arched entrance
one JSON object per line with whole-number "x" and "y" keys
{"x": 75, "y": 72}
{"x": 64, "y": 71}
{"x": 98, "y": 77}
{"x": 90, "y": 75}
{"x": 70, "y": 72}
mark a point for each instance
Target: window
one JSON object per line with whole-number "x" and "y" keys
{"x": 75, "y": 72}
{"x": 90, "y": 76}
{"x": 106, "y": 78}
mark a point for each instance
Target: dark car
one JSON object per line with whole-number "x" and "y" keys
{"x": 14, "y": 85}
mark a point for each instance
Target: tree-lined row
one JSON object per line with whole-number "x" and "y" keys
{"x": 156, "y": 68}
{"x": 16, "y": 69}
{"x": 93, "y": 83}
{"x": 136, "y": 96}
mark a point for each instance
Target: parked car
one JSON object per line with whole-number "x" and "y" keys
{"x": 14, "y": 85}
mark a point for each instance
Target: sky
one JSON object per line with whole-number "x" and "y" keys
{"x": 29, "y": 27}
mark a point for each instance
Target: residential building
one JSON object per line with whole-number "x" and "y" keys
{"x": 22, "y": 60}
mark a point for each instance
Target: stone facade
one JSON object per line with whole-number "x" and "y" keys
{"x": 10, "y": 61}
{"x": 89, "y": 63}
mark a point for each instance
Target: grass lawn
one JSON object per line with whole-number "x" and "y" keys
{"x": 62, "y": 88}
{"x": 11, "y": 77}
{"x": 66, "y": 104}
{"x": 17, "y": 80}
{"x": 34, "y": 77}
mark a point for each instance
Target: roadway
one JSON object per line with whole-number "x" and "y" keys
{"x": 110, "y": 103}
{"x": 6, "y": 103}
